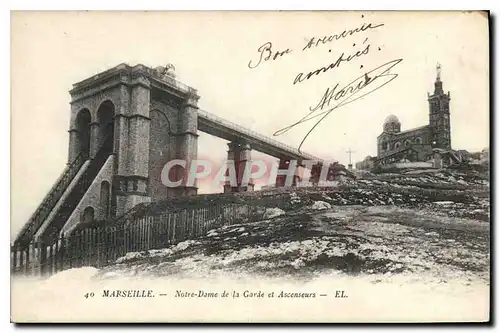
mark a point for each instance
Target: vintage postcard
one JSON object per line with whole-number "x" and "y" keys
{"x": 250, "y": 166}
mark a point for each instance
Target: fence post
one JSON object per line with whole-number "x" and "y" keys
{"x": 136, "y": 236}
{"x": 88, "y": 248}
{"x": 57, "y": 254}
{"x": 180, "y": 226}
{"x": 184, "y": 224}
{"x": 110, "y": 243}
{"x": 103, "y": 234}
{"x": 70, "y": 248}
{"x": 165, "y": 230}
{"x": 43, "y": 256}
{"x": 96, "y": 247}
{"x": 92, "y": 246}
{"x": 33, "y": 257}
{"x": 144, "y": 234}
{"x": 114, "y": 241}
{"x": 174, "y": 218}
{"x": 149, "y": 227}
{"x": 191, "y": 222}
{"x": 13, "y": 251}
{"x": 62, "y": 250}
{"x": 26, "y": 268}
{"x": 81, "y": 247}
{"x": 51, "y": 259}
{"x": 125, "y": 238}
{"x": 21, "y": 259}
{"x": 139, "y": 228}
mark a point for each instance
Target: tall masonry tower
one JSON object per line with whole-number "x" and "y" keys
{"x": 439, "y": 114}
{"x": 126, "y": 123}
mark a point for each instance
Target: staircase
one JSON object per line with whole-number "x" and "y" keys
{"x": 71, "y": 201}
{"x": 50, "y": 200}
{"x": 79, "y": 190}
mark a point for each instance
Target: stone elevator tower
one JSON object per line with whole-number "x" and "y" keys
{"x": 126, "y": 123}
{"x": 137, "y": 99}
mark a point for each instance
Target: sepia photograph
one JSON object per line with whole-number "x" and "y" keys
{"x": 250, "y": 167}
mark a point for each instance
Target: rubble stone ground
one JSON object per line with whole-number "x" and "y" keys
{"x": 355, "y": 232}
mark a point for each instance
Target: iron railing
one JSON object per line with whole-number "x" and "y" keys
{"x": 50, "y": 200}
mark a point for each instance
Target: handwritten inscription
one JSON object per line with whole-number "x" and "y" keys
{"x": 334, "y": 96}
{"x": 266, "y": 53}
{"x": 354, "y": 90}
{"x": 342, "y": 58}
{"x": 315, "y": 41}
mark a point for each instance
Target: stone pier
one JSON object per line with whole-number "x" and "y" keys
{"x": 240, "y": 153}
{"x": 284, "y": 168}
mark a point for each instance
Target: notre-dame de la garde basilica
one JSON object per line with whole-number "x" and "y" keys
{"x": 417, "y": 144}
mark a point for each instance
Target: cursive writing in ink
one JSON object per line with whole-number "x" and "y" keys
{"x": 266, "y": 53}
{"x": 301, "y": 77}
{"x": 315, "y": 41}
{"x": 353, "y": 91}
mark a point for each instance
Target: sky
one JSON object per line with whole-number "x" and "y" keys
{"x": 211, "y": 52}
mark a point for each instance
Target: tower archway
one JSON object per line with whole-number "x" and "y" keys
{"x": 83, "y": 120}
{"x": 106, "y": 120}
{"x": 88, "y": 215}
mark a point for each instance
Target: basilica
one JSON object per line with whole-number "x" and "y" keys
{"x": 421, "y": 143}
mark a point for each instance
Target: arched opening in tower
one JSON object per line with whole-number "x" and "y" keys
{"x": 83, "y": 129}
{"x": 106, "y": 120}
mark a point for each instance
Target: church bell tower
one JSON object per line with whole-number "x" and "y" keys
{"x": 439, "y": 114}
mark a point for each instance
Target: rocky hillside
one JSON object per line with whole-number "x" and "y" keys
{"x": 365, "y": 229}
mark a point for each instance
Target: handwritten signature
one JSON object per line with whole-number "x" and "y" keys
{"x": 353, "y": 91}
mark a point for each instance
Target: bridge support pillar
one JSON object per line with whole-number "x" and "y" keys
{"x": 241, "y": 155}
{"x": 315, "y": 173}
{"x": 337, "y": 172}
{"x": 284, "y": 171}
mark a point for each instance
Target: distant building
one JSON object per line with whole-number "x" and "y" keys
{"x": 417, "y": 144}
{"x": 482, "y": 157}
{"x": 485, "y": 155}
{"x": 366, "y": 164}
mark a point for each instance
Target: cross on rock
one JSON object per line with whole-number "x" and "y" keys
{"x": 350, "y": 154}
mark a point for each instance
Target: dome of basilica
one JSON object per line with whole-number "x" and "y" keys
{"x": 392, "y": 124}
{"x": 391, "y": 119}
